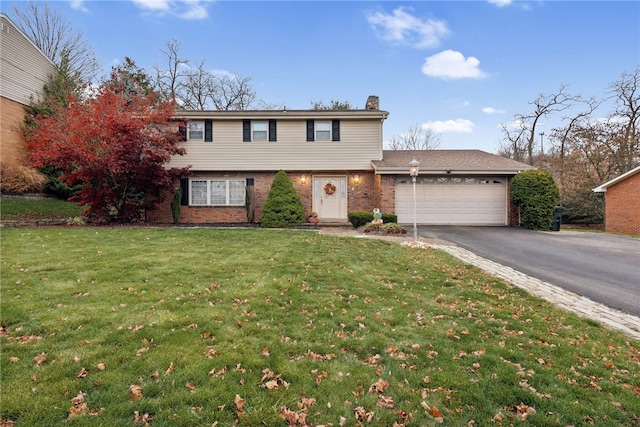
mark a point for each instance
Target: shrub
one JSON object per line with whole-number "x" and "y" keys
{"x": 360, "y": 218}
{"x": 536, "y": 195}
{"x": 388, "y": 228}
{"x": 175, "y": 205}
{"x": 283, "y": 207}
{"x": 55, "y": 186}
{"x": 17, "y": 179}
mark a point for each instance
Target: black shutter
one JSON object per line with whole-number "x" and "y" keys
{"x": 272, "y": 130}
{"x": 208, "y": 130}
{"x": 184, "y": 186}
{"x": 246, "y": 130}
{"x": 310, "y": 130}
{"x": 335, "y": 130}
{"x": 182, "y": 128}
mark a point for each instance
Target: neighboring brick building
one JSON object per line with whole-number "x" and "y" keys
{"x": 622, "y": 203}
{"x": 24, "y": 70}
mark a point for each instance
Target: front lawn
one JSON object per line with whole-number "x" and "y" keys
{"x": 36, "y": 209}
{"x": 202, "y": 327}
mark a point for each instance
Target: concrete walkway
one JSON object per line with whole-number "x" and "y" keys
{"x": 612, "y": 318}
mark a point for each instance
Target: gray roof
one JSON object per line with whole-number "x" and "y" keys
{"x": 454, "y": 161}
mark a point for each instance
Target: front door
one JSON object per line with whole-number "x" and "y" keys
{"x": 330, "y": 197}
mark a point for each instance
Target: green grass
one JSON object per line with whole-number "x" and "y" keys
{"x": 29, "y": 209}
{"x": 241, "y": 326}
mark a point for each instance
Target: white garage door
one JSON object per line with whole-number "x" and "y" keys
{"x": 453, "y": 200}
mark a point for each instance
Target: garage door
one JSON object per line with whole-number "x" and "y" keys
{"x": 453, "y": 200}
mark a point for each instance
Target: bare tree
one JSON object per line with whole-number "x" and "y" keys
{"x": 57, "y": 39}
{"x": 168, "y": 81}
{"x": 417, "y": 137}
{"x": 233, "y": 93}
{"x": 198, "y": 89}
{"x": 522, "y": 137}
{"x": 625, "y": 120}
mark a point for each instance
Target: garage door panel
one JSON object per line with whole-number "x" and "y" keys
{"x": 452, "y": 203}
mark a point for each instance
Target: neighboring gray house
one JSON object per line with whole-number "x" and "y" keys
{"x": 24, "y": 70}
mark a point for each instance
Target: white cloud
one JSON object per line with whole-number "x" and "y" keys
{"x": 79, "y": 5}
{"x": 450, "y": 126}
{"x": 450, "y": 64}
{"x": 183, "y": 9}
{"x": 491, "y": 110}
{"x": 403, "y": 27}
{"x": 500, "y": 3}
{"x": 154, "y": 5}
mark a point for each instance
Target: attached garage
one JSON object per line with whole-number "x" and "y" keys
{"x": 453, "y": 187}
{"x": 453, "y": 200}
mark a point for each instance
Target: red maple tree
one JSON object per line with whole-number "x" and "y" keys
{"x": 116, "y": 144}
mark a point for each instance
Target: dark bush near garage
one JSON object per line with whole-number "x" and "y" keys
{"x": 360, "y": 218}
{"x": 535, "y": 194}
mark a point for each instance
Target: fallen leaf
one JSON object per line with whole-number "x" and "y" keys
{"x": 40, "y": 359}
{"x": 101, "y": 366}
{"x": 190, "y": 385}
{"x": 379, "y": 386}
{"x": 135, "y": 392}
{"x": 169, "y": 369}
{"x": 142, "y": 350}
{"x": 82, "y": 374}
{"x": 141, "y": 419}
{"x": 239, "y": 401}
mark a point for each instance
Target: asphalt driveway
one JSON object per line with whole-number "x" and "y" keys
{"x": 601, "y": 267}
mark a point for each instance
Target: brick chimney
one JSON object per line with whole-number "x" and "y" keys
{"x": 373, "y": 103}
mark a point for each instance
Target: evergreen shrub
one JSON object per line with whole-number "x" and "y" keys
{"x": 283, "y": 207}
{"x": 535, "y": 194}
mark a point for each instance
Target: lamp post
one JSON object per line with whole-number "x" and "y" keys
{"x": 413, "y": 171}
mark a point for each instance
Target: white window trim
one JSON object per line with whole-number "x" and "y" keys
{"x": 317, "y": 129}
{"x": 253, "y": 130}
{"x": 208, "y": 189}
{"x": 196, "y": 122}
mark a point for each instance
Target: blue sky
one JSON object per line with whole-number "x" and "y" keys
{"x": 462, "y": 68}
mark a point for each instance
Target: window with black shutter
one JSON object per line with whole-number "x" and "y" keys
{"x": 335, "y": 130}
{"x": 272, "y": 130}
{"x": 208, "y": 130}
{"x": 246, "y": 130}
{"x": 310, "y": 130}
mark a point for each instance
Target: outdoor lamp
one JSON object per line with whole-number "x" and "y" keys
{"x": 303, "y": 179}
{"x": 356, "y": 178}
{"x": 413, "y": 171}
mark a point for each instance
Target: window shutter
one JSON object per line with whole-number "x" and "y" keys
{"x": 335, "y": 130}
{"x": 184, "y": 186}
{"x": 208, "y": 130}
{"x": 182, "y": 128}
{"x": 310, "y": 130}
{"x": 246, "y": 130}
{"x": 272, "y": 130}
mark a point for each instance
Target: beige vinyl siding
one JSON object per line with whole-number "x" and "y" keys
{"x": 23, "y": 67}
{"x": 360, "y": 142}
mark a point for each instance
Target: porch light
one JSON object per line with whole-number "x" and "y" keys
{"x": 356, "y": 179}
{"x": 303, "y": 179}
{"x": 413, "y": 171}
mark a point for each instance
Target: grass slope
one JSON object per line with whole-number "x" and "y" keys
{"x": 201, "y": 327}
{"x": 29, "y": 209}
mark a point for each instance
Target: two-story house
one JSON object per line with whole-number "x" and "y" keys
{"x": 336, "y": 162}
{"x": 24, "y": 70}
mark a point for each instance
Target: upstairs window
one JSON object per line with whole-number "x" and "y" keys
{"x": 323, "y": 130}
{"x": 196, "y": 130}
{"x": 259, "y": 130}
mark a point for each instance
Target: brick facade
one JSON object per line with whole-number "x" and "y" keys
{"x": 361, "y": 196}
{"x": 12, "y": 147}
{"x": 622, "y": 206}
